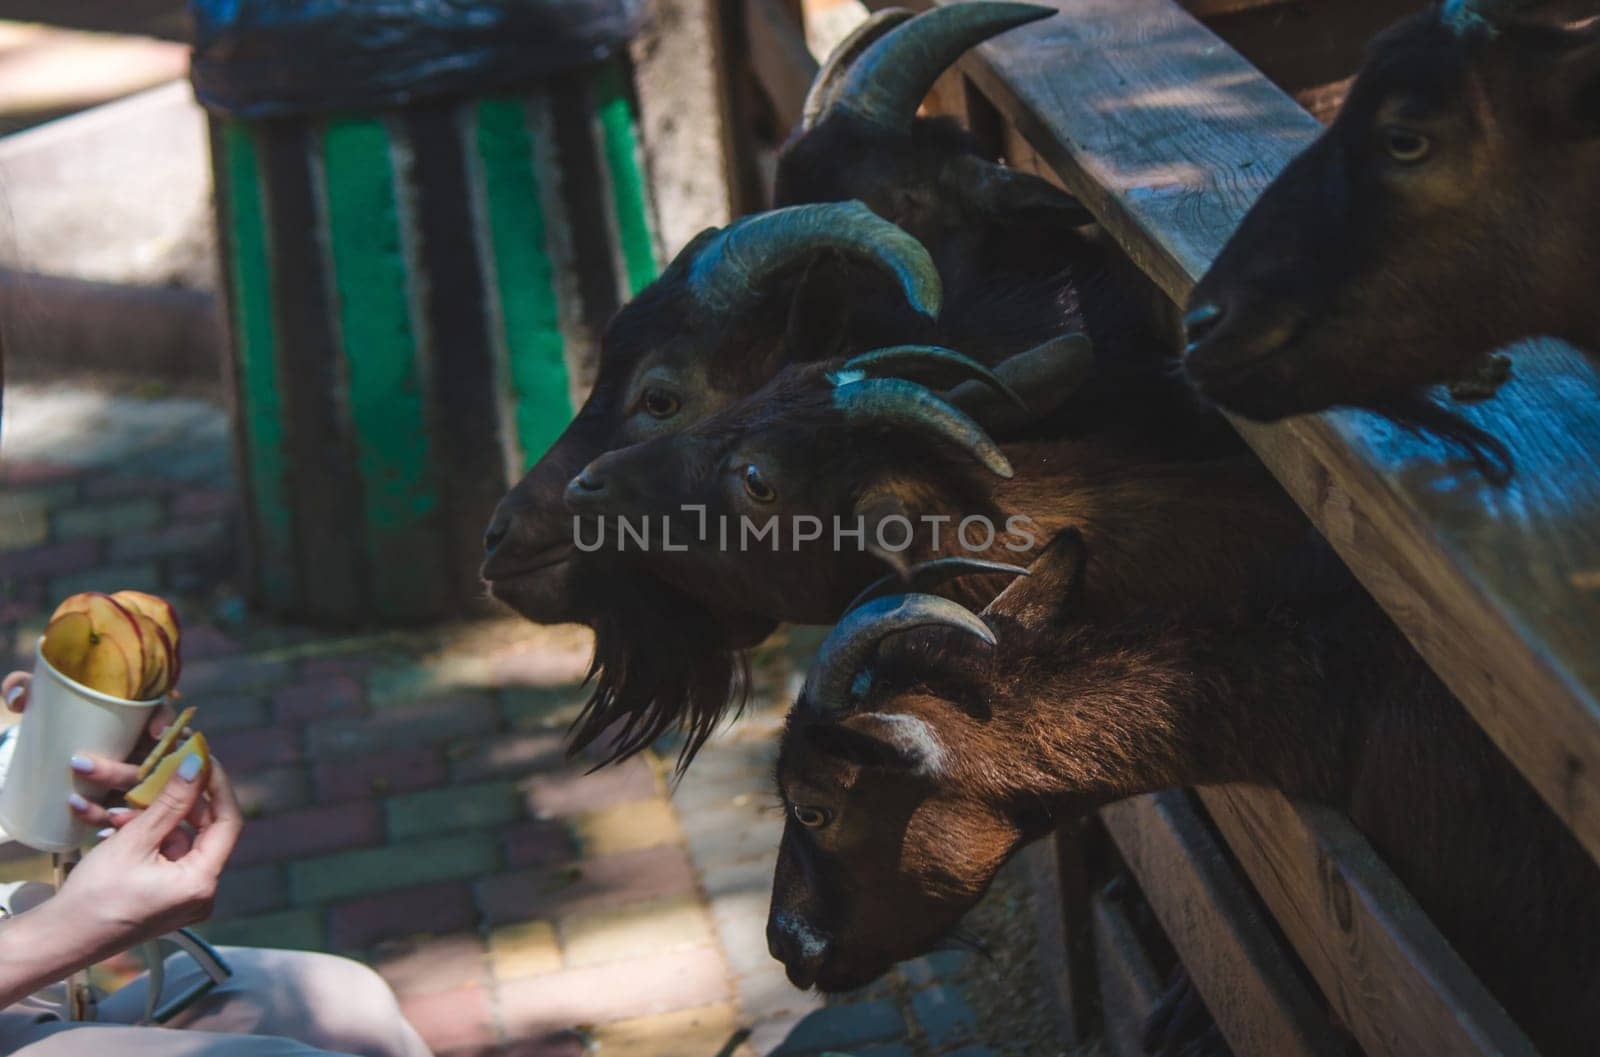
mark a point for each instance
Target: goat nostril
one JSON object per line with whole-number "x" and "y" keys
{"x": 498, "y": 529}
{"x": 1201, "y": 321}
{"x": 587, "y": 482}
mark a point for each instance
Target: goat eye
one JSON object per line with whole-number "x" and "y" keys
{"x": 1406, "y": 146}
{"x": 658, "y": 403}
{"x": 811, "y": 817}
{"x": 759, "y": 490}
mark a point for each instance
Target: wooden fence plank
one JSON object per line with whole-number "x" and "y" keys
{"x": 1168, "y": 136}
{"x": 1128, "y": 981}
{"x": 1392, "y": 979}
{"x": 1249, "y": 983}
{"x": 783, "y": 63}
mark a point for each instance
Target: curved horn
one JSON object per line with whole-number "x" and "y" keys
{"x": 931, "y": 362}
{"x": 886, "y": 85}
{"x": 893, "y": 401}
{"x": 1462, "y": 16}
{"x": 925, "y": 576}
{"x": 856, "y": 637}
{"x": 1050, "y": 374}
{"x": 737, "y": 264}
{"x": 848, "y": 50}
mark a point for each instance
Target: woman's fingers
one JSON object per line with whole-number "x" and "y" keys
{"x": 15, "y": 690}
{"x": 113, "y": 774}
{"x": 215, "y": 841}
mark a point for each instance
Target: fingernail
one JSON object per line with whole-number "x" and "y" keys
{"x": 189, "y": 768}
{"x": 78, "y": 803}
{"x": 103, "y": 834}
{"x": 14, "y": 693}
{"x": 81, "y": 764}
{"x": 120, "y": 811}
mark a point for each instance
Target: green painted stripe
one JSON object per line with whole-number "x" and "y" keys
{"x": 260, "y": 402}
{"x": 386, "y": 400}
{"x": 524, "y": 278}
{"x": 627, "y": 180}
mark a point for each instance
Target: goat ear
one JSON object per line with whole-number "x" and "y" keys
{"x": 873, "y": 510}
{"x": 1052, "y": 592}
{"x": 1001, "y": 191}
{"x": 819, "y": 316}
{"x": 889, "y": 740}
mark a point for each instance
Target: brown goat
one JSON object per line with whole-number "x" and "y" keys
{"x": 1448, "y": 210}
{"x": 911, "y": 770}
{"x": 844, "y": 472}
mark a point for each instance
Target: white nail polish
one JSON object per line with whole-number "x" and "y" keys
{"x": 77, "y": 802}
{"x": 14, "y": 693}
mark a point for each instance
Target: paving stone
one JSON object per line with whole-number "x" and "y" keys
{"x": 50, "y": 559}
{"x": 355, "y": 667}
{"x": 391, "y": 771}
{"x": 971, "y": 1051}
{"x": 654, "y": 873}
{"x": 203, "y": 641}
{"x": 255, "y": 749}
{"x": 451, "y": 809}
{"x": 634, "y": 931}
{"x": 743, "y": 877}
{"x": 204, "y": 502}
{"x": 270, "y": 791}
{"x": 102, "y": 487}
{"x": 424, "y": 965}
{"x": 452, "y": 1020}
{"x": 743, "y": 934}
{"x": 932, "y": 968}
{"x": 702, "y": 1030}
{"x": 24, "y": 521}
{"x": 231, "y": 674}
{"x": 310, "y": 831}
{"x": 615, "y": 991}
{"x": 541, "y": 668}
{"x": 510, "y": 755}
{"x": 538, "y": 843}
{"x": 142, "y": 576}
{"x": 246, "y": 890}
{"x": 188, "y": 537}
{"x": 844, "y": 1027}
{"x": 106, "y": 519}
{"x": 894, "y": 1049}
{"x": 434, "y": 721}
{"x": 945, "y": 1017}
{"x": 768, "y": 993}
{"x": 527, "y": 948}
{"x": 299, "y": 930}
{"x": 572, "y": 792}
{"x": 437, "y": 908}
{"x": 627, "y": 827}
{"x": 371, "y": 870}
{"x": 316, "y": 698}
{"x": 542, "y": 708}
{"x": 22, "y": 473}
{"x": 219, "y": 712}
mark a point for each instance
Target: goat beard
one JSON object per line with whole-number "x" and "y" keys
{"x": 663, "y": 663}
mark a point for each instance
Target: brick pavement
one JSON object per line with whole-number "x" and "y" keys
{"x": 410, "y": 801}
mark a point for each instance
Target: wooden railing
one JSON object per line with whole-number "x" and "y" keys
{"x": 1168, "y": 135}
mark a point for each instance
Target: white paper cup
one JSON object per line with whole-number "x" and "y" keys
{"x": 63, "y": 717}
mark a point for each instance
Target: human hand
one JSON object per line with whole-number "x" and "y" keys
{"x": 152, "y": 875}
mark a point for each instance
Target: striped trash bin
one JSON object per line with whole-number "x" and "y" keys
{"x": 423, "y": 233}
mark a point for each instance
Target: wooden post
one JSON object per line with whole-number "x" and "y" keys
{"x": 415, "y": 300}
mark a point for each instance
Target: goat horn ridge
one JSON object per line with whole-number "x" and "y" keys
{"x": 856, "y": 637}
{"x": 735, "y": 266}
{"x": 895, "y": 402}
{"x": 888, "y": 82}
{"x": 1461, "y": 16}
{"x": 925, "y": 576}
{"x": 909, "y": 361}
{"x": 826, "y": 83}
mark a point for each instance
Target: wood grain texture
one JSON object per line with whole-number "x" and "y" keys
{"x": 1058, "y": 874}
{"x": 778, "y": 53}
{"x": 1249, "y": 981}
{"x": 1129, "y": 984}
{"x": 1168, "y": 136}
{"x": 1391, "y": 978}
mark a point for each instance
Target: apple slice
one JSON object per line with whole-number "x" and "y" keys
{"x": 169, "y": 672}
{"x": 144, "y": 794}
{"x": 162, "y": 612}
{"x": 153, "y": 666}
{"x": 114, "y": 664}
{"x": 68, "y": 640}
{"x": 164, "y": 744}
